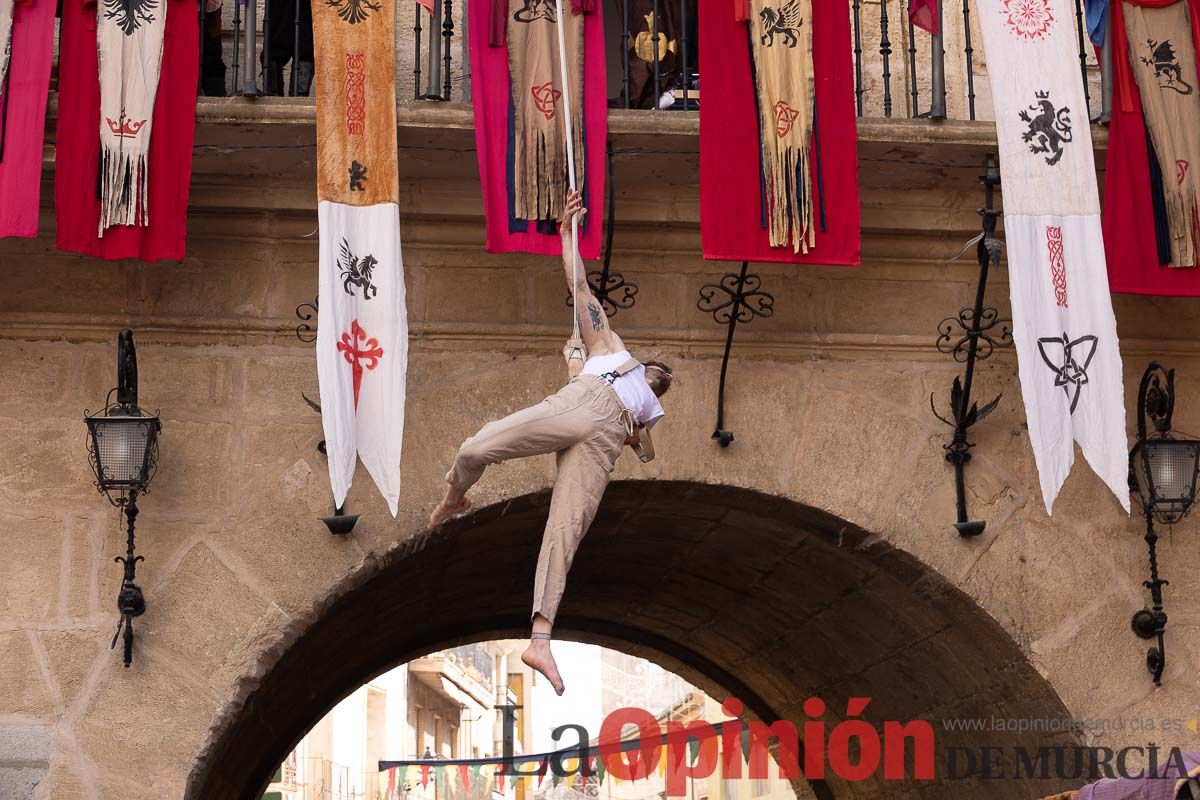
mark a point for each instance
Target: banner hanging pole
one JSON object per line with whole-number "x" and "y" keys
{"x": 567, "y": 122}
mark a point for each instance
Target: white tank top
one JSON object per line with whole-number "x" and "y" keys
{"x": 635, "y": 394}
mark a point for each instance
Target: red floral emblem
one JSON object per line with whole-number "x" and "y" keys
{"x": 365, "y": 357}
{"x": 1028, "y": 19}
{"x": 544, "y": 97}
{"x": 785, "y": 117}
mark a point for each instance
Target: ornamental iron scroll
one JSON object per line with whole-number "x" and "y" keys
{"x": 971, "y": 336}
{"x": 306, "y": 312}
{"x": 736, "y": 298}
{"x": 957, "y": 334}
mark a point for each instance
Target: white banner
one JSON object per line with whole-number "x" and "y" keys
{"x": 362, "y": 344}
{"x": 1066, "y": 336}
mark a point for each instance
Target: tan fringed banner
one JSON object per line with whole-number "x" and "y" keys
{"x": 1164, "y": 66}
{"x": 781, "y": 47}
{"x": 356, "y": 101}
{"x": 539, "y": 142}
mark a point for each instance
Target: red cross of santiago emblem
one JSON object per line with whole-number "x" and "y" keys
{"x": 544, "y": 97}
{"x": 365, "y": 357}
{"x": 785, "y": 117}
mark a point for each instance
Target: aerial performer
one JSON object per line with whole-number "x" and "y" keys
{"x": 610, "y": 401}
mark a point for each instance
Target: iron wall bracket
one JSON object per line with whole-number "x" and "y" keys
{"x": 339, "y": 523}
{"x": 736, "y": 298}
{"x": 971, "y": 336}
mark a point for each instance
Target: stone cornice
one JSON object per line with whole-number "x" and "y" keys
{"x": 521, "y": 339}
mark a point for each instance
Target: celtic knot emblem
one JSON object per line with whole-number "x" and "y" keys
{"x": 1058, "y": 264}
{"x": 544, "y": 97}
{"x": 1069, "y": 360}
{"x": 785, "y": 118}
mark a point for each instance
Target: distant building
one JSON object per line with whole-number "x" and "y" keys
{"x": 629, "y": 681}
{"x": 442, "y": 705}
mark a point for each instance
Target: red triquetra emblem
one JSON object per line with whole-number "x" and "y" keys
{"x": 785, "y": 118}
{"x": 544, "y": 97}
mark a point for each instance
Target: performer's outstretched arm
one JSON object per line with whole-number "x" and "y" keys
{"x": 597, "y": 336}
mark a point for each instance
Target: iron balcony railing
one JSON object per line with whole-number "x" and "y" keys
{"x": 899, "y": 70}
{"x": 474, "y": 660}
{"x": 264, "y": 47}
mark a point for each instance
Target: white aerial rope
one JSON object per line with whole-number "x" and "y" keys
{"x": 576, "y": 344}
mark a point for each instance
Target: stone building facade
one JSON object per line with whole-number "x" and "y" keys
{"x": 814, "y": 556}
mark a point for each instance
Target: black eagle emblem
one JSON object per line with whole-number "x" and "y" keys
{"x": 354, "y": 11}
{"x": 129, "y": 14}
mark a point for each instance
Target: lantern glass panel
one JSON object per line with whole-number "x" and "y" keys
{"x": 122, "y": 445}
{"x": 1166, "y": 475}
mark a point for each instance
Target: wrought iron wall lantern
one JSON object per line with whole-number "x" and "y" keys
{"x": 1162, "y": 472}
{"x": 737, "y": 298}
{"x": 123, "y": 451}
{"x": 339, "y": 523}
{"x": 969, "y": 337}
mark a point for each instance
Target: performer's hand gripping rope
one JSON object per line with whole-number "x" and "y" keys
{"x": 574, "y": 348}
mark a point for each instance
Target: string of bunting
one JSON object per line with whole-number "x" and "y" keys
{"x": 453, "y": 774}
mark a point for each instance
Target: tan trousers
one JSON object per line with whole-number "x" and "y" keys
{"x": 585, "y": 425}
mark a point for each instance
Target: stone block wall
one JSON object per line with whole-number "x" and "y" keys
{"x": 829, "y": 400}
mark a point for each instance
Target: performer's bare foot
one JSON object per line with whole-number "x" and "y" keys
{"x": 446, "y": 509}
{"x": 539, "y": 657}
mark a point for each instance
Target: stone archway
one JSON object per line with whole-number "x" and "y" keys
{"x": 738, "y": 591}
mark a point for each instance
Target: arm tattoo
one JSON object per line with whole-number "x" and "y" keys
{"x": 595, "y": 313}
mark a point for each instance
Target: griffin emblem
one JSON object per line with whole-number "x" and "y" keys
{"x": 785, "y": 23}
{"x": 357, "y": 272}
